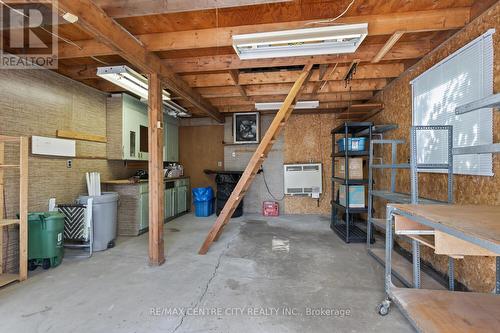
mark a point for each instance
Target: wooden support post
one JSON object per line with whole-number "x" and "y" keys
{"x": 23, "y": 209}
{"x": 156, "y": 184}
{"x": 256, "y": 160}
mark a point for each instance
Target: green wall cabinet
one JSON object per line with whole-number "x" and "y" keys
{"x": 127, "y": 130}
{"x": 171, "y": 145}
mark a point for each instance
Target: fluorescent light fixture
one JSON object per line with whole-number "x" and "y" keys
{"x": 128, "y": 79}
{"x": 301, "y": 42}
{"x": 137, "y": 84}
{"x": 277, "y": 105}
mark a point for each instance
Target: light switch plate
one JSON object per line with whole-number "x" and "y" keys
{"x": 219, "y": 163}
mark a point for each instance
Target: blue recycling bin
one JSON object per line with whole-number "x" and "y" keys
{"x": 203, "y": 198}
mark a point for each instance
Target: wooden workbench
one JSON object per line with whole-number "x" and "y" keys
{"x": 456, "y": 231}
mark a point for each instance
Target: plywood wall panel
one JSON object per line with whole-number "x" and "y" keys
{"x": 200, "y": 147}
{"x": 477, "y": 273}
{"x": 308, "y": 139}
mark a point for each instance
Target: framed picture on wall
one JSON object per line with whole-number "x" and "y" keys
{"x": 246, "y": 127}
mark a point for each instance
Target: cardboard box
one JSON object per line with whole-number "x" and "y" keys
{"x": 355, "y": 168}
{"x": 356, "y": 196}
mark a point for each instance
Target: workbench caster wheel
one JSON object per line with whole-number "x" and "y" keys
{"x": 383, "y": 308}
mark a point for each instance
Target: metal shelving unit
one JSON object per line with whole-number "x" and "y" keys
{"x": 391, "y": 196}
{"x": 347, "y": 229}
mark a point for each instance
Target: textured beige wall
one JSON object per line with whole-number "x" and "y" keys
{"x": 477, "y": 273}
{"x": 39, "y": 102}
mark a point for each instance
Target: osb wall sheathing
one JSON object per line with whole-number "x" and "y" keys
{"x": 39, "y": 102}
{"x": 308, "y": 139}
{"x": 477, "y": 273}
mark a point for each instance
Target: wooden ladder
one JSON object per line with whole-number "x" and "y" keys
{"x": 257, "y": 159}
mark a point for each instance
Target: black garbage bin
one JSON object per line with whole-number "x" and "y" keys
{"x": 226, "y": 182}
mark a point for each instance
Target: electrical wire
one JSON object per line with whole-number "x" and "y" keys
{"x": 333, "y": 19}
{"x": 267, "y": 187}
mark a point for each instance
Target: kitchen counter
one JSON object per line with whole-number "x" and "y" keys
{"x": 132, "y": 182}
{"x": 133, "y": 205}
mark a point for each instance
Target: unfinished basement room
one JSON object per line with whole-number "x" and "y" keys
{"x": 255, "y": 166}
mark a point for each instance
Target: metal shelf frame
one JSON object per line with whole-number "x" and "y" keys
{"x": 415, "y": 168}
{"x": 390, "y": 195}
{"x": 346, "y": 230}
{"x": 492, "y": 101}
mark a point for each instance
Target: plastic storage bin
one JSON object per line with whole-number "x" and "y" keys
{"x": 45, "y": 239}
{"x": 353, "y": 144}
{"x": 104, "y": 211}
{"x": 203, "y": 198}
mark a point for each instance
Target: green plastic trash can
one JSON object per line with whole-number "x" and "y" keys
{"x": 45, "y": 239}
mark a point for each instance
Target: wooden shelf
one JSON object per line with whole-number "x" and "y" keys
{"x": 8, "y": 278}
{"x": 427, "y": 240}
{"x": 4, "y": 223}
{"x": 449, "y": 311}
{"x": 22, "y": 166}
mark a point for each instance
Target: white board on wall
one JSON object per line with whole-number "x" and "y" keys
{"x": 51, "y": 146}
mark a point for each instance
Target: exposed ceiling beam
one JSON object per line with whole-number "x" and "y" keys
{"x": 331, "y": 97}
{"x": 235, "y": 77}
{"x": 364, "y": 71}
{"x": 94, "y": 20}
{"x": 282, "y": 88}
{"x": 387, "y": 46}
{"x": 365, "y": 53}
{"x": 127, "y": 8}
{"x": 250, "y": 107}
{"x": 383, "y": 24}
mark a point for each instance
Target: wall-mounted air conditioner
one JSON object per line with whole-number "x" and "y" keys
{"x": 303, "y": 179}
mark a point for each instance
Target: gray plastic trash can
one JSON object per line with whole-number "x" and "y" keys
{"x": 104, "y": 211}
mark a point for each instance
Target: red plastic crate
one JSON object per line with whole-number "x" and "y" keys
{"x": 270, "y": 208}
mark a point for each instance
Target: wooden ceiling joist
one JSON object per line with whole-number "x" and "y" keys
{"x": 387, "y": 46}
{"x": 364, "y": 71}
{"x": 323, "y": 106}
{"x": 95, "y": 21}
{"x": 365, "y": 53}
{"x": 127, "y": 8}
{"x": 332, "y": 97}
{"x": 282, "y": 88}
{"x": 382, "y": 24}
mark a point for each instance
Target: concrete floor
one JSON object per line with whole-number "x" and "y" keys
{"x": 263, "y": 275}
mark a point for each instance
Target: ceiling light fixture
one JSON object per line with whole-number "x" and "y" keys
{"x": 70, "y": 17}
{"x": 136, "y": 83}
{"x": 277, "y": 105}
{"x": 301, "y": 42}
